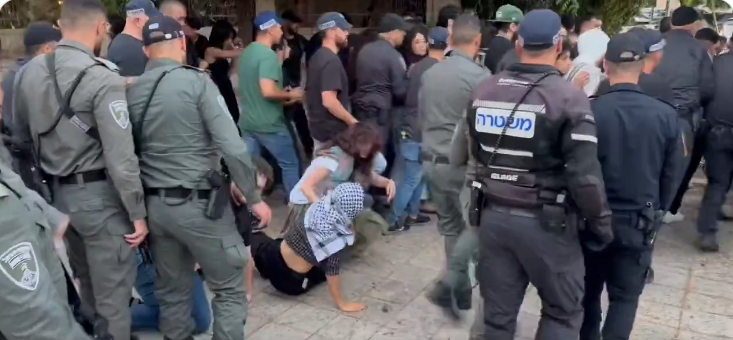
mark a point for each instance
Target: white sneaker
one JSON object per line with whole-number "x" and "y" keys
{"x": 672, "y": 218}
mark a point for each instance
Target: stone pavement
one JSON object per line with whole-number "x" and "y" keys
{"x": 691, "y": 298}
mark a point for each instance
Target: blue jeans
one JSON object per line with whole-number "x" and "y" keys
{"x": 280, "y": 145}
{"x": 145, "y": 315}
{"x": 410, "y": 188}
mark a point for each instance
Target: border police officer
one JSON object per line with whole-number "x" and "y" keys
{"x": 643, "y": 131}
{"x": 533, "y": 137}
{"x": 81, "y": 131}
{"x": 33, "y": 285}
{"x": 446, "y": 88}
{"x": 181, "y": 122}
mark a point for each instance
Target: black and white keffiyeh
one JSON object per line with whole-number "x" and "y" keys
{"x": 327, "y": 223}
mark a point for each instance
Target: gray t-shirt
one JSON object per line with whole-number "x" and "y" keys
{"x": 127, "y": 53}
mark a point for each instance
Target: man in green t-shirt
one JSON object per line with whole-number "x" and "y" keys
{"x": 262, "y": 98}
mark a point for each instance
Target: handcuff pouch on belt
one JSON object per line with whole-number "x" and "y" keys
{"x": 496, "y": 190}
{"x": 220, "y": 198}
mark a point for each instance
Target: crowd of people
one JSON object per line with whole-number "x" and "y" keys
{"x": 150, "y": 163}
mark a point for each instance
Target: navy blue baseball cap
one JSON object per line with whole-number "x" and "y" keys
{"x": 139, "y": 7}
{"x": 160, "y": 29}
{"x": 540, "y": 29}
{"x": 438, "y": 38}
{"x": 332, "y": 20}
{"x": 625, "y": 47}
{"x": 266, "y": 20}
{"x": 653, "y": 40}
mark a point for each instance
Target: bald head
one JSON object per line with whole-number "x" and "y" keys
{"x": 466, "y": 30}
{"x": 174, "y": 9}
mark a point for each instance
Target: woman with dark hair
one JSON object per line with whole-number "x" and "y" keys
{"x": 217, "y": 56}
{"x": 348, "y": 157}
{"x": 415, "y": 46}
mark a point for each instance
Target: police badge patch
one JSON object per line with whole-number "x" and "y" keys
{"x": 118, "y": 109}
{"x": 19, "y": 264}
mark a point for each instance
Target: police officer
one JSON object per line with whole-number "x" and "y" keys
{"x": 532, "y": 135}
{"x": 651, "y": 83}
{"x": 718, "y": 153}
{"x": 81, "y": 129}
{"x": 181, "y": 123}
{"x": 33, "y": 285}
{"x": 637, "y": 194}
{"x": 446, "y": 88}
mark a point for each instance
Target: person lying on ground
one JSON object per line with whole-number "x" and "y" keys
{"x": 348, "y": 157}
{"x": 310, "y": 251}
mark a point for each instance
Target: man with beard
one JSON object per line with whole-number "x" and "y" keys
{"x": 327, "y": 89}
{"x": 86, "y": 148}
{"x": 506, "y": 22}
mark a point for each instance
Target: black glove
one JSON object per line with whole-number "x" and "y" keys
{"x": 597, "y": 234}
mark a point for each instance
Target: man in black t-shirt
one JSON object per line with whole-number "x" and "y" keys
{"x": 507, "y": 22}
{"x": 327, "y": 88}
{"x": 126, "y": 50}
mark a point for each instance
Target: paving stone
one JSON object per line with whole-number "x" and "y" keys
{"x": 268, "y": 306}
{"x": 671, "y": 276}
{"x": 378, "y": 311}
{"x": 709, "y": 304}
{"x": 346, "y": 328}
{"x": 706, "y": 323}
{"x": 646, "y": 331}
{"x": 711, "y": 287}
{"x": 663, "y": 295}
{"x": 279, "y": 332}
{"x": 306, "y": 318}
{"x": 401, "y": 292}
{"x": 696, "y": 336}
{"x": 659, "y": 314}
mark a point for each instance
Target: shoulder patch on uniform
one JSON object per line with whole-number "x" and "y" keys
{"x": 108, "y": 64}
{"x": 118, "y": 109}
{"x": 20, "y": 265}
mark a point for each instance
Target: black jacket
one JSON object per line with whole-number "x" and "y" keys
{"x": 720, "y": 110}
{"x": 639, "y": 147}
{"x": 688, "y": 69}
{"x": 549, "y": 147}
{"x": 651, "y": 84}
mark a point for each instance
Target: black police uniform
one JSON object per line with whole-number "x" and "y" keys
{"x": 534, "y": 135}
{"x": 719, "y": 151}
{"x": 640, "y": 151}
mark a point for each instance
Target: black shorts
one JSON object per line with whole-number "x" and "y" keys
{"x": 271, "y": 265}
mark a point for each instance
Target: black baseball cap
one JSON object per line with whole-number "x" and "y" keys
{"x": 653, "y": 40}
{"x": 683, "y": 16}
{"x": 332, "y": 19}
{"x": 393, "y": 22}
{"x": 625, "y": 47}
{"x": 540, "y": 29}
{"x": 137, "y": 7}
{"x": 39, "y": 33}
{"x": 160, "y": 29}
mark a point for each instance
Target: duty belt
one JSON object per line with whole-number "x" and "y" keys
{"x": 435, "y": 159}
{"x": 179, "y": 193}
{"x": 84, "y": 177}
{"x": 521, "y": 212}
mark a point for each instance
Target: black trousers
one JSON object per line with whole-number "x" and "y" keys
{"x": 622, "y": 268}
{"x": 694, "y": 150}
{"x": 271, "y": 265}
{"x": 517, "y": 250}
{"x": 719, "y": 171}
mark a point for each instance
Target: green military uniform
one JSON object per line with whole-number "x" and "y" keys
{"x": 33, "y": 285}
{"x": 96, "y": 182}
{"x": 444, "y": 97}
{"x": 183, "y": 135}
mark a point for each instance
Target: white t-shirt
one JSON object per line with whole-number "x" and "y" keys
{"x": 297, "y": 196}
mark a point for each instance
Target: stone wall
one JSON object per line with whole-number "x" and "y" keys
{"x": 12, "y": 42}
